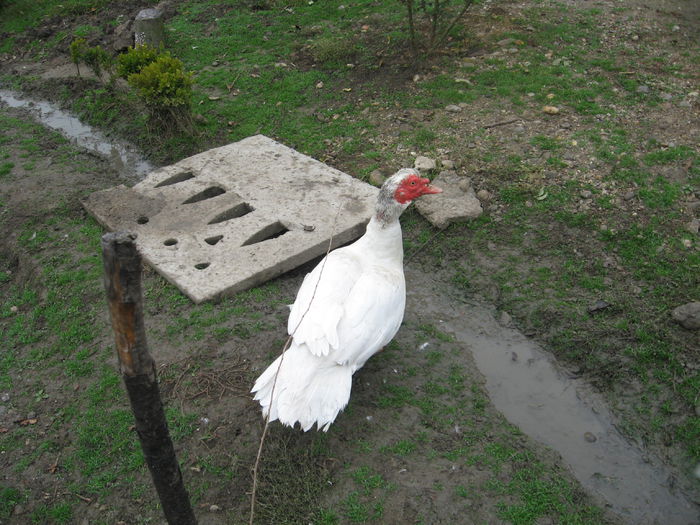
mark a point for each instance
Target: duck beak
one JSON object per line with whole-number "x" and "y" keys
{"x": 431, "y": 189}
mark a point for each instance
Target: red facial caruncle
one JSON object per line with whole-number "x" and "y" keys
{"x": 413, "y": 187}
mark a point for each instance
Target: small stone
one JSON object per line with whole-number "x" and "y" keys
{"x": 504, "y": 319}
{"x": 693, "y": 227}
{"x": 453, "y": 108}
{"x": 377, "y": 178}
{"x": 14, "y": 309}
{"x": 18, "y": 510}
{"x": 688, "y": 315}
{"x": 506, "y": 42}
{"x": 214, "y": 508}
{"x": 484, "y": 195}
{"x": 687, "y": 243}
{"x": 665, "y": 96}
{"x": 551, "y": 110}
{"x": 629, "y": 195}
{"x": 447, "y": 164}
{"x": 590, "y": 437}
{"x": 455, "y": 203}
{"x": 424, "y": 163}
{"x": 319, "y": 85}
{"x": 216, "y": 63}
{"x": 598, "y": 306}
{"x": 643, "y": 89}
{"x": 5, "y": 397}
{"x": 586, "y": 194}
{"x": 685, "y": 104}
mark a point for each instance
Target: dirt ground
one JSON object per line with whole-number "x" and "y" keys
{"x": 207, "y": 375}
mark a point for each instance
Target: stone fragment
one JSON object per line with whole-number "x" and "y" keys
{"x": 458, "y": 201}
{"x": 643, "y": 89}
{"x": 687, "y": 315}
{"x": 447, "y": 164}
{"x": 123, "y": 37}
{"x": 590, "y": 437}
{"x": 424, "y": 163}
{"x": 453, "y": 108}
{"x": 484, "y": 195}
{"x": 693, "y": 226}
{"x": 377, "y": 178}
{"x": 551, "y": 110}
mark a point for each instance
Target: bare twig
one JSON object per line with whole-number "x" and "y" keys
{"x": 501, "y": 123}
{"x": 279, "y": 366}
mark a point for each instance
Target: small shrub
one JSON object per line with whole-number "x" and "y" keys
{"x": 135, "y": 59}
{"x": 95, "y": 58}
{"x": 166, "y": 88}
{"x": 78, "y": 48}
{"x": 439, "y": 17}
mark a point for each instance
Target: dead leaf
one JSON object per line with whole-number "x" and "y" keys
{"x": 25, "y": 422}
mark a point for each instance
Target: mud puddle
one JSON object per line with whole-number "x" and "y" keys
{"x": 126, "y": 159}
{"x": 563, "y": 413}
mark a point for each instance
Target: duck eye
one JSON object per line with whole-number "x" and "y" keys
{"x": 413, "y": 183}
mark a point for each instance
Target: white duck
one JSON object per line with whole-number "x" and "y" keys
{"x": 337, "y": 324}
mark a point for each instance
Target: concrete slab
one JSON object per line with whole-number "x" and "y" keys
{"x": 236, "y": 216}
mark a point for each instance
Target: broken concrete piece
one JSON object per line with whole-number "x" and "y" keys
{"x": 458, "y": 201}
{"x": 236, "y": 216}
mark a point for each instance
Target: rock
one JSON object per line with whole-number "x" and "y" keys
{"x": 551, "y": 110}
{"x": 693, "y": 227}
{"x": 598, "y": 306}
{"x": 452, "y": 108}
{"x": 5, "y": 397}
{"x": 688, "y": 315}
{"x": 123, "y": 37}
{"x": 504, "y": 319}
{"x": 377, "y": 178}
{"x": 643, "y": 89}
{"x": 458, "y": 201}
{"x": 149, "y": 28}
{"x": 214, "y": 508}
{"x": 447, "y": 164}
{"x": 665, "y": 96}
{"x": 590, "y": 437}
{"x": 685, "y": 104}
{"x": 586, "y": 194}
{"x": 424, "y": 164}
{"x": 18, "y": 510}
{"x": 14, "y": 309}
{"x": 484, "y": 195}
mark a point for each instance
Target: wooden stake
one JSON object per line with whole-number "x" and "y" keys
{"x": 122, "y": 281}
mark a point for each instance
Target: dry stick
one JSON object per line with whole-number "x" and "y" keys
{"x": 274, "y": 382}
{"x": 501, "y": 123}
{"x": 122, "y": 281}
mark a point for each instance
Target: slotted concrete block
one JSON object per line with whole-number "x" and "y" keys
{"x": 236, "y": 216}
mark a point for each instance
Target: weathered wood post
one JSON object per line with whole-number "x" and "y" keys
{"x": 122, "y": 280}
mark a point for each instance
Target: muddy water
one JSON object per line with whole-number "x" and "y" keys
{"x": 563, "y": 413}
{"x": 128, "y": 162}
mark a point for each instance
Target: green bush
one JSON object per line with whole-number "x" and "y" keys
{"x": 95, "y": 58}
{"x": 135, "y": 59}
{"x": 163, "y": 83}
